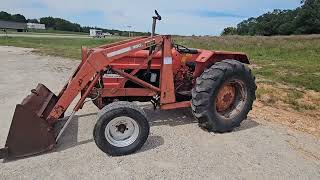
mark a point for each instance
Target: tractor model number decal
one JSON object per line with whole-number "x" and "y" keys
{"x": 124, "y": 50}
{"x": 136, "y": 46}
{"x": 167, "y": 60}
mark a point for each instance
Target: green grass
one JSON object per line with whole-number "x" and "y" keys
{"x": 50, "y": 31}
{"x": 292, "y": 99}
{"x": 56, "y": 32}
{"x": 64, "y": 47}
{"x": 271, "y": 96}
{"x": 292, "y": 60}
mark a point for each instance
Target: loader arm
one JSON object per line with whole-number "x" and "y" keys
{"x": 32, "y": 129}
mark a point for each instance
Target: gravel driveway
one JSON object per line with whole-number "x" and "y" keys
{"x": 176, "y": 148}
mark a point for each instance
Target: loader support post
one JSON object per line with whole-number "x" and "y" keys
{"x": 166, "y": 84}
{"x": 76, "y": 84}
{"x": 81, "y": 101}
{"x": 79, "y": 105}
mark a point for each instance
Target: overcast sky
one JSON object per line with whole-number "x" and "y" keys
{"x": 184, "y": 17}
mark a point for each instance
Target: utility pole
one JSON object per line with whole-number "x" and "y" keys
{"x": 129, "y": 32}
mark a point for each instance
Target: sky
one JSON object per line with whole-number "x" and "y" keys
{"x": 182, "y": 17}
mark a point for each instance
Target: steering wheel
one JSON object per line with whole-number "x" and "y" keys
{"x": 182, "y": 49}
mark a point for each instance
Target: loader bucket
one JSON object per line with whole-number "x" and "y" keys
{"x": 29, "y": 132}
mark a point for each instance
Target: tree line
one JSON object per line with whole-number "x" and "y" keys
{"x": 302, "y": 20}
{"x": 63, "y": 25}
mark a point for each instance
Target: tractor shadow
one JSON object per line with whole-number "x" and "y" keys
{"x": 69, "y": 139}
{"x": 174, "y": 117}
{"x": 184, "y": 116}
{"x": 152, "y": 142}
{"x": 177, "y": 117}
{"x": 246, "y": 125}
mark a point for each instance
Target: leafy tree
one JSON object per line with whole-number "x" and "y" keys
{"x": 308, "y": 18}
{"x": 302, "y": 20}
{"x": 5, "y": 16}
{"x": 48, "y": 21}
{"x": 33, "y": 21}
{"x": 18, "y": 18}
{"x": 8, "y": 17}
{"x": 229, "y": 31}
{"x": 63, "y": 25}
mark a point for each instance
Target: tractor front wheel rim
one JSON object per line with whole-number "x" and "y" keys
{"x": 122, "y": 131}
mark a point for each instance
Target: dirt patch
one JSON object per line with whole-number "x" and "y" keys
{"x": 254, "y": 66}
{"x": 294, "y": 107}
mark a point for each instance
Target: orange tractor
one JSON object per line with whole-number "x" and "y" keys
{"x": 217, "y": 85}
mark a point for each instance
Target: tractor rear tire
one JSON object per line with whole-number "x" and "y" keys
{"x": 223, "y": 96}
{"x": 122, "y": 128}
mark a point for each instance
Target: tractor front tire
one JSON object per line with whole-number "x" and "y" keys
{"x": 223, "y": 96}
{"x": 122, "y": 128}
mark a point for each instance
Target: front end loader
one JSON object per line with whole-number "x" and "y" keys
{"x": 217, "y": 85}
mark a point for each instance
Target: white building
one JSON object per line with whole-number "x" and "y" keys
{"x": 96, "y": 33}
{"x": 36, "y": 26}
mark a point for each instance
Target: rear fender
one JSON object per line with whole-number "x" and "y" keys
{"x": 207, "y": 58}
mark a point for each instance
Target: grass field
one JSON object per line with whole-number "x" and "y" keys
{"x": 50, "y": 31}
{"x": 64, "y": 47}
{"x": 291, "y": 60}
{"x": 56, "y": 31}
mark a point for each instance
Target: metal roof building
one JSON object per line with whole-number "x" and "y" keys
{"x": 36, "y": 26}
{"x": 12, "y": 25}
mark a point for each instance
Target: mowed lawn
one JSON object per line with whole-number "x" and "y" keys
{"x": 291, "y": 60}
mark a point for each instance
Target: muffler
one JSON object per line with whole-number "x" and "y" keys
{"x": 30, "y": 133}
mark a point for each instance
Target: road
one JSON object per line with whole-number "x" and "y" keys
{"x": 176, "y": 148}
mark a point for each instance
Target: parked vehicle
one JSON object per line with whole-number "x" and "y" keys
{"x": 216, "y": 85}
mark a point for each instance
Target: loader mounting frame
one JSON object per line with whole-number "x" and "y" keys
{"x": 100, "y": 59}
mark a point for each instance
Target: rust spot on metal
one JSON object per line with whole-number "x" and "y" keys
{"x": 80, "y": 82}
{"x": 226, "y": 97}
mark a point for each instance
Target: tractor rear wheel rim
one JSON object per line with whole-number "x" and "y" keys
{"x": 122, "y": 131}
{"x": 231, "y": 99}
